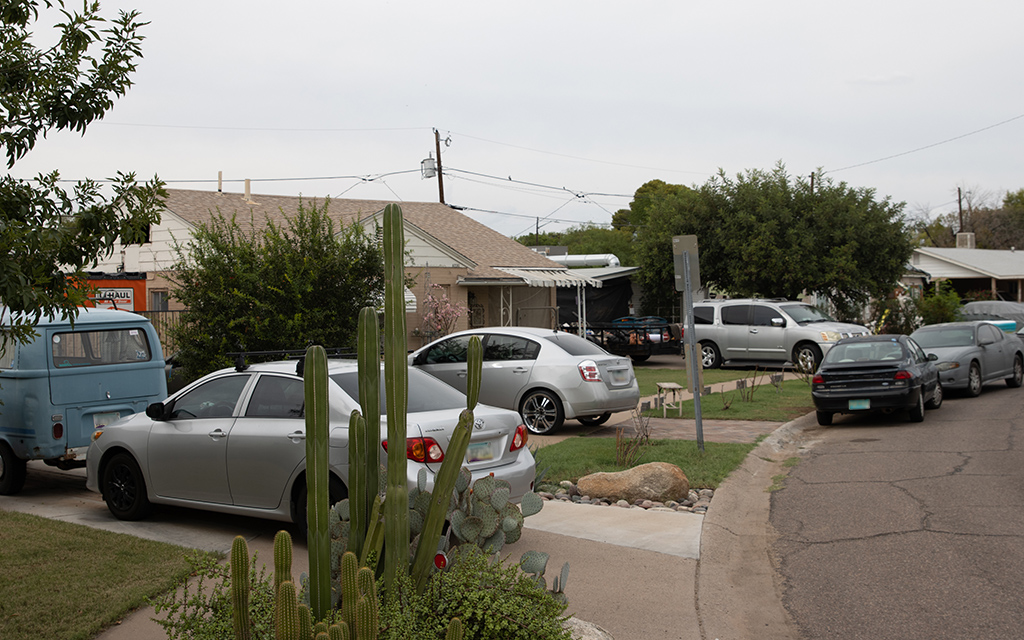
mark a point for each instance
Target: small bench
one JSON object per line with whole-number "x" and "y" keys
{"x": 666, "y": 388}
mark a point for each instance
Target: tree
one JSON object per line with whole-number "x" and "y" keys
{"x": 273, "y": 287}
{"x": 48, "y": 235}
{"x": 766, "y": 234}
{"x": 587, "y": 239}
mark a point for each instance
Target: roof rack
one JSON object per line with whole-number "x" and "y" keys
{"x": 287, "y": 354}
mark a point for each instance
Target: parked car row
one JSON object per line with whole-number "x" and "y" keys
{"x": 897, "y": 372}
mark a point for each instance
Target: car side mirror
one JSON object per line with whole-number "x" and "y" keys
{"x": 933, "y": 357}
{"x": 778, "y": 322}
{"x": 156, "y": 411}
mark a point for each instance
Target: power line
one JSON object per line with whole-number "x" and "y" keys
{"x": 929, "y": 146}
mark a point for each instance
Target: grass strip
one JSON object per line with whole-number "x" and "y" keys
{"x": 63, "y": 580}
{"x": 648, "y": 379}
{"x": 790, "y": 401}
{"x": 574, "y": 458}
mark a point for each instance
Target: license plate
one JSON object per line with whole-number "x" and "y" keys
{"x": 103, "y": 419}
{"x": 857, "y": 405}
{"x": 479, "y": 451}
{"x": 618, "y": 376}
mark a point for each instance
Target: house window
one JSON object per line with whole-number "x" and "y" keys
{"x": 158, "y": 300}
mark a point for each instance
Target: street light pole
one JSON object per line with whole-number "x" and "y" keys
{"x": 440, "y": 180}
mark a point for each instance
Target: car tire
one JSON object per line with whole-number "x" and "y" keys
{"x": 12, "y": 471}
{"x": 917, "y": 411}
{"x": 124, "y": 488}
{"x": 541, "y": 411}
{"x": 936, "y": 400}
{"x": 336, "y": 491}
{"x": 974, "y": 380}
{"x": 824, "y": 418}
{"x": 711, "y": 357}
{"x": 806, "y": 357}
{"x": 1017, "y": 378}
{"x": 594, "y": 421}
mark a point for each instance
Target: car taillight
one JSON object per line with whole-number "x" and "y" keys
{"x": 589, "y": 371}
{"x": 421, "y": 450}
{"x": 818, "y": 379}
{"x": 902, "y": 375}
{"x": 519, "y": 439}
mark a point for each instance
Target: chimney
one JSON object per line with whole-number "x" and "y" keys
{"x": 965, "y": 240}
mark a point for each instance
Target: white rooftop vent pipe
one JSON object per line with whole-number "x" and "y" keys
{"x": 588, "y": 260}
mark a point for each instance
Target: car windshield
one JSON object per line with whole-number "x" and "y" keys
{"x": 803, "y": 313}
{"x": 949, "y": 337}
{"x": 426, "y": 393}
{"x": 575, "y": 345}
{"x": 866, "y": 351}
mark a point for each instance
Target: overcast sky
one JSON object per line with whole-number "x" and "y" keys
{"x": 560, "y": 110}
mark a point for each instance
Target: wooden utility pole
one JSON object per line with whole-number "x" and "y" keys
{"x": 960, "y": 206}
{"x": 440, "y": 180}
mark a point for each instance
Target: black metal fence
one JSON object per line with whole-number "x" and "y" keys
{"x": 163, "y": 321}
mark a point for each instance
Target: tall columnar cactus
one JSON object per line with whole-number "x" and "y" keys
{"x": 317, "y": 481}
{"x": 364, "y": 432}
{"x": 240, "y": 588}
{"x": 286, "y": 612}
{"x": 444, "y": 483}
{"x": 282, "y": 558}
{"x": 396, "y": 389}
{"x": 455, "y": 630}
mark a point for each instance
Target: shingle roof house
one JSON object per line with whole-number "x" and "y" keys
{"x": 501, "y": 281}
{"x": 970, "y": 270}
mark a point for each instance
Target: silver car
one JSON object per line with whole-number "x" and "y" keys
{"x": 973, "y": 353}
{"x": 545, "y": 375}
{"x": 234, "y": 442}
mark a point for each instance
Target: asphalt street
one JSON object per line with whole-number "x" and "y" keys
{"x": 890, "y": 529}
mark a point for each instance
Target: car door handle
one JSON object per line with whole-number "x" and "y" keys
{"x": 461, "y": 374}
{"x": 520, "y": 370}
{"x": 753, "y": 331}
{"x": 296, "y": 436}
{"x": 217, "y": 434}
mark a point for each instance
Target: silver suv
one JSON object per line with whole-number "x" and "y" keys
{"x": 759, "y": 331}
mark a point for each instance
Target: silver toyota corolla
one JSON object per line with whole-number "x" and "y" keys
{"x": 545, "y": 375}
{"x": 234, "y": 442}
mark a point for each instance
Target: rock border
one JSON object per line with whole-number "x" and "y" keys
{"x": 697, "y": 501}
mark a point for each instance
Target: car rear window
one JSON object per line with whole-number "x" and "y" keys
{"x": 92, "y": 348}
{"x": 575, "y": 345}
{"x": 426, "y": 393}
{"x": 951, "y": 337}
{"x": 866, "y": 351}
{"x": 703, "y": 315}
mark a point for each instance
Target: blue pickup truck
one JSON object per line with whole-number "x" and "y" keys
{"x": 71, "y": 379}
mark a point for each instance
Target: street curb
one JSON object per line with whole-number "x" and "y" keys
{"x": 737, "y": 590}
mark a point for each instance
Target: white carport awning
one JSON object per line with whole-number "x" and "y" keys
{"x": 550, "y": 277}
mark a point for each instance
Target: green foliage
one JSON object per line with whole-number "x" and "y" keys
{"x": 587, "y": 239}
{"x": 941, "y": 306}
{"x": 201, "y": 609}
{"x": 764, "y": 233}
{"x": 318, "y": 478}
{"x": 896, "y": 315}
{"x": 50, "y": 236}
{"x": 272, "y": 287}
{"x": 491, "y": 600}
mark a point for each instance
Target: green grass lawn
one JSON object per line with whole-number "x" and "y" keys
{"x": 62, "y": 580}
{"x": 790, "y": 401}
{"x": 648, "y": 379}
{"x": 574, "y": 458}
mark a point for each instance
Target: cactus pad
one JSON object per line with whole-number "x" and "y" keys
{"x": 531, "y": 504}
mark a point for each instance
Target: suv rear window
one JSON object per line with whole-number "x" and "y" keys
{"x": 735, "y": 314}
{"x": 703, "y": 315}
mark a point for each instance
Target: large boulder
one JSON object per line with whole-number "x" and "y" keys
{"x": 655, "y": 481}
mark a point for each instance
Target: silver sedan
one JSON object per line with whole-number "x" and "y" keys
{"x": 545, "y": 375}
{"x": 234, "y": 442}
{"x": 971, "y": 354}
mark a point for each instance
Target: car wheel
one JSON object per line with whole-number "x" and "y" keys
{"x": 917, "y": 411}
{"x": 12, "y": 471}
{"x": 974, "y": 380}
{"x": 936, "y": 400}
{"x": 593, "y": 421}
{"x": 711, "y": 357}
{"x": 124, "y": 488}
{"x": 336, "y": 490}
{"x": 807, "y": 357}
{"x": 1017, "y": 378}
{"x": 824, "y": 418}
{"x": 541, "y": 411}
